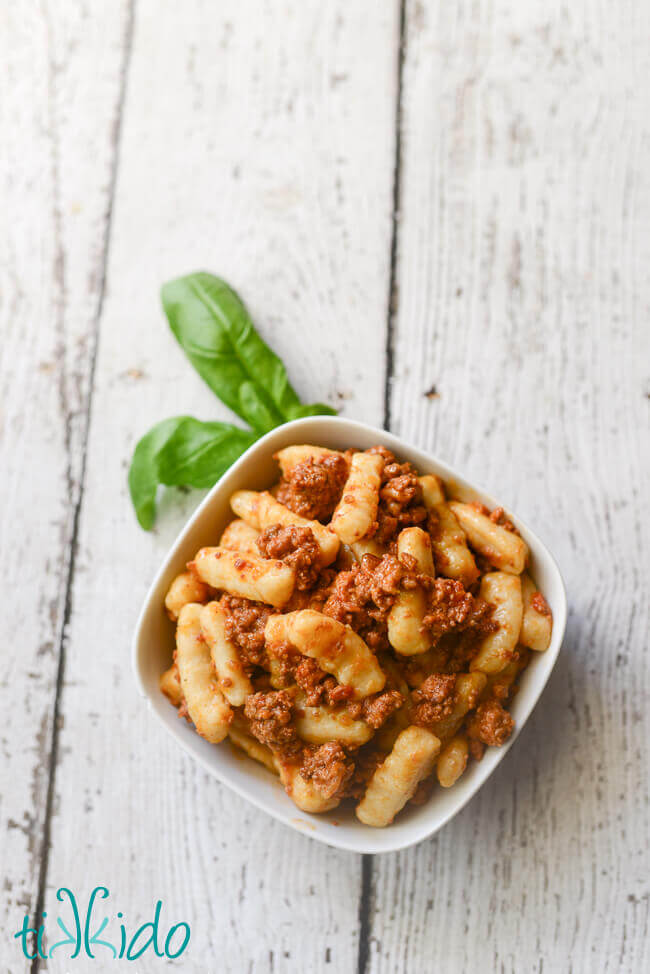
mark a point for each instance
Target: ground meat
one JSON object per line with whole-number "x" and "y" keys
{"x": 270, "y": 720}
{"x": 368, "y": 759}
{"x": 400, "y": 499}
{"x": 337, "y": 693}
{"x": 313, "y": 488}
{"x": 376, "y": 710}
{"x": 380, "y": 580}
{"x": 383, "y": 451}
{"x": 329, "y": 692}
{"x": 310, "y": 678}
{"x": 400, "y": 489}
{"x": 539, "y": 604}
{"x": 451, "y": 607}
{"x": 296, "y": 547}
{"x": 319, "y": 687}
{"x": 499, "y": 517}
{"x": 491, "y": 724}
{"x": 367, "y": 591}
{"x": 347, "y": 602}
{"x": 328, "y": 767}
{"x": 461, "y": 645}
{"x": 245, "y": 622}
{"x": 316, "y": 683}
{"x": 363, "y": 596}
{"x": 434, "y": 699}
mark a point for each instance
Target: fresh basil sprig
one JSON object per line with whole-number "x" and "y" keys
{"x": 182, "y": 451}
{"x": 215, "y": 331}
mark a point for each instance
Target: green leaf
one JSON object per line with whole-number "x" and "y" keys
{"x": 143, "y": 472}
{"x": 197, "y": 453}
{"x": 181, "y": 451}
{"x": 317, "y": 409}
{"x": 214, "y": 329}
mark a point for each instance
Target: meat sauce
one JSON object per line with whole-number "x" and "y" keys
{"x": 360, "y": 594}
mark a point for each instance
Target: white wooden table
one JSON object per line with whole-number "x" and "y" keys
{"x": 439, "y": 216}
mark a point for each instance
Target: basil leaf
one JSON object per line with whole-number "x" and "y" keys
{"x": 181, "y": 451}
{"x": 143, "y": 472}
{"x": 317, "y": 409}
{"x": 197, "y": 453}
{"x": 213, "y": 327}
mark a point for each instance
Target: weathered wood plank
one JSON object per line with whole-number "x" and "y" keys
{"x": 522, "y": 310}
{"x": 60, "y": 89}
{"x": 257, "y": 143}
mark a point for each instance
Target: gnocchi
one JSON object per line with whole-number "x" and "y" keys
{"x": 363, "y": 654}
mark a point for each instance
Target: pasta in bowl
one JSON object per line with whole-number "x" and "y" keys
{"x": 356, "y": 620}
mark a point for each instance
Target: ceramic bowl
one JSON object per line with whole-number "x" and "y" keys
{"x": 154, "y": 641}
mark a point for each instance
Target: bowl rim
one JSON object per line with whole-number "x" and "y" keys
{"x": 338, "y": 837}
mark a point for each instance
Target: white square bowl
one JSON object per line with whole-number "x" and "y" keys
{"x": 153, "y": 645}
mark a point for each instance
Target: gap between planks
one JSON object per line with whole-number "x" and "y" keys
{"x": 367, "y": 886}
{"x": 366, "y": 891}
{"x": 69, "y": 580}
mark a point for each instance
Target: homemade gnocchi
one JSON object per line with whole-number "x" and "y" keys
{"x": 356, "y": 631}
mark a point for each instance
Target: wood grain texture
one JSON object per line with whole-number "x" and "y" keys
{"x": 258, "y": 141}
{"x": 60, "y": 90}
{"x": 522, "y": 303}
{"x": 255, "y": 143}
